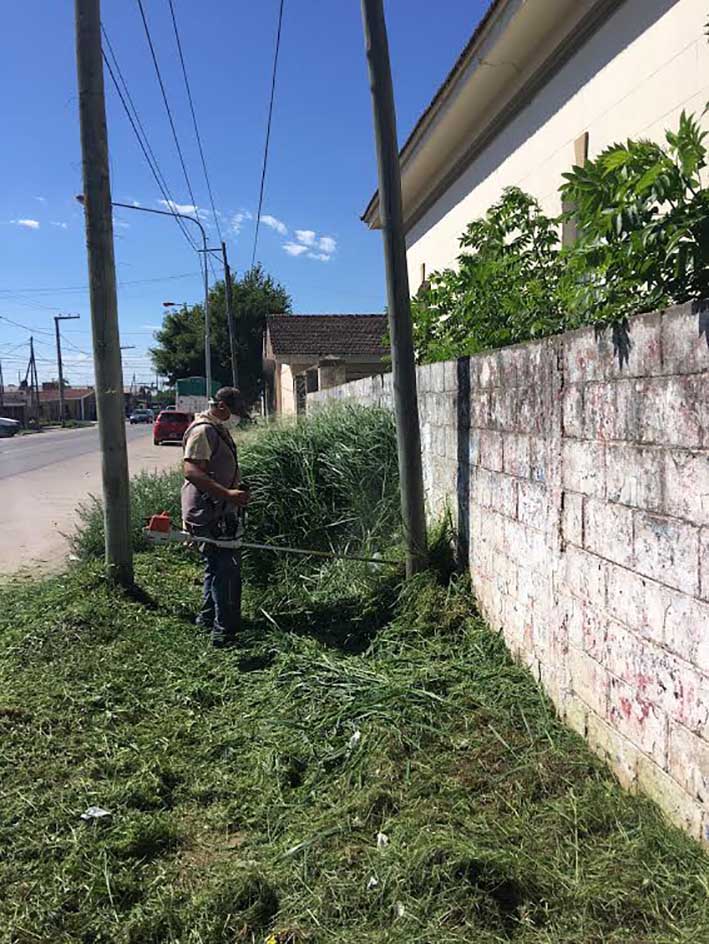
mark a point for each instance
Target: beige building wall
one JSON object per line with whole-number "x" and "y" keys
{"x": 287, "y": 404}
{"x": 648, "y": 61}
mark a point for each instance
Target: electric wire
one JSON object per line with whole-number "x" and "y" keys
{"x": 16, "y": 299}
{"x": 143, "y": 141}
{"x": 26, "y": 327}
{"x": 71, "y": 344}
{"x": 194, "y": 120}
{"x": 16, "y": 347}
{"x": 166, "y": 103}
{"x": 85, "y": 288}
{"x": 268, "y": 130}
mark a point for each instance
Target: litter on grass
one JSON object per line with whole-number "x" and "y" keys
{"x": 95, "y": 812}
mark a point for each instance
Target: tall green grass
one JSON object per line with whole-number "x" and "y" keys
{"x": 150, "y": 493}
{"x": 330, "y": 482}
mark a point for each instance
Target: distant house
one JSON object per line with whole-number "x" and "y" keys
{"x": 79, "y": 403}
{"x": 303, "y": 353}
{"x": 541, "y": 86}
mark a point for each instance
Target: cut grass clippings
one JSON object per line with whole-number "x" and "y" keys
{"x": 366, "y": 767}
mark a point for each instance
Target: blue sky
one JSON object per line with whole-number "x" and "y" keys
{"x": 321, "y": 168}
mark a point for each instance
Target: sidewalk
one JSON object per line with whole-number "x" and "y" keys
{"x": 39, "y": 507}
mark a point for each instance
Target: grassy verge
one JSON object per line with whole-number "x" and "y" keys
{"x": 366, "y": 768}
{"x": 330, "y": 483}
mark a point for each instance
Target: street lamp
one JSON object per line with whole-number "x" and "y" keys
{"x": 204, "y": 250}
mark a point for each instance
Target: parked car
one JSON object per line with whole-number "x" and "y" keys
{"x": 141, "y": 416}
{"x": 8, "y": 427}
{"x": 171, "y": 426}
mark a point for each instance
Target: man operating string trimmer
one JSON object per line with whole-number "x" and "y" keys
{"x": 212, "y": 498}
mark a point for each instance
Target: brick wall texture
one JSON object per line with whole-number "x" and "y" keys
{"x": 583, "y": 486}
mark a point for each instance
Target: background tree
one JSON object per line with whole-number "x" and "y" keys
{"x": 179, "y": 351}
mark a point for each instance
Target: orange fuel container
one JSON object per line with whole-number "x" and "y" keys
{"x": 160, "y": 523}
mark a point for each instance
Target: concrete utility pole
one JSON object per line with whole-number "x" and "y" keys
{"x": 230, "y": 319}
{"x": 398, "y": 301}
{"x": 102, "y": 290}
{"x": 57, "y": 319}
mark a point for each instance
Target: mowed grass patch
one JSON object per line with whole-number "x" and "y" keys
{"x": 369, "y": 766}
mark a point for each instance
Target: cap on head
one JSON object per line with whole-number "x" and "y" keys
{"x": 231, "y": 398}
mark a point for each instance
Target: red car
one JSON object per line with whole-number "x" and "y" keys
{"x": 170, "y": 426}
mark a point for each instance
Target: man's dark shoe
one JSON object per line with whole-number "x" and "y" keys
{"x": 221, "y": 641}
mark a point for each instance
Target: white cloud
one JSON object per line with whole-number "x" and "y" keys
{"x": 294, "y": 249}
{"x": 120, "y": 224}
{"x": 276, "y": 224}
{"x": 238, "y": 220}
{"x": 187, "y": 208}
{"x": 327, "y": 245}
{"x": 320, "y": 256}
{"x": 41, "y": 199}
{"x": 28, "y": 224}
{"x": 60, "y": 225}
{"x": 305, "y": 236}
{"x": 136, "y": 203}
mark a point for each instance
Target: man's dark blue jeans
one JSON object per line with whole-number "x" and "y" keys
{"x": 221, "y": 603}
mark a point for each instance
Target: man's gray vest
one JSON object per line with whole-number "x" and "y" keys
{"x": 202, "y": 514}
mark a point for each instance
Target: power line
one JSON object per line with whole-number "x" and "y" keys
{"x": 16, "y": 299}
{"x": 26, "y": 327}
{"x": 84, "y": 288}
{"x": 268, "y": 130}
{"x": 74, "y": 346}
{"x": 194, "y": 119}
{"x": 167, "y": 104}
{"x": 9, "y": 351}
{"x": 143, "y": 141}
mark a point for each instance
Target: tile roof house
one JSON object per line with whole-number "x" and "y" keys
{"x": 303, "y": 353}
{"x": 20, "y": 403}
{"x": 79, "y": 403}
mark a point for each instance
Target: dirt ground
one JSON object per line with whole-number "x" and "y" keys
{"x": 38, "y": 507}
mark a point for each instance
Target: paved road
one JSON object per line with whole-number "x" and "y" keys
{"x": 45, "y": 477}
{"x": 23, "y": 454}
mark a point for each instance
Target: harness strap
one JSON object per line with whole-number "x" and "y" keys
{"x": 223, "y": 437}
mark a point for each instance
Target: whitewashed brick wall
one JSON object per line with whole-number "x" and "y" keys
{"x": 585, "y": 488}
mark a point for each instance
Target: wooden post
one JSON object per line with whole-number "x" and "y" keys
{"x": 398, "y": 301}
{"x": 57, "y": 319}
{"x": 230, "y": 319}
{"x": 102, "y": 291}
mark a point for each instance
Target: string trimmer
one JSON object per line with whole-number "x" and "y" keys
{"x": 160, "y": 531}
